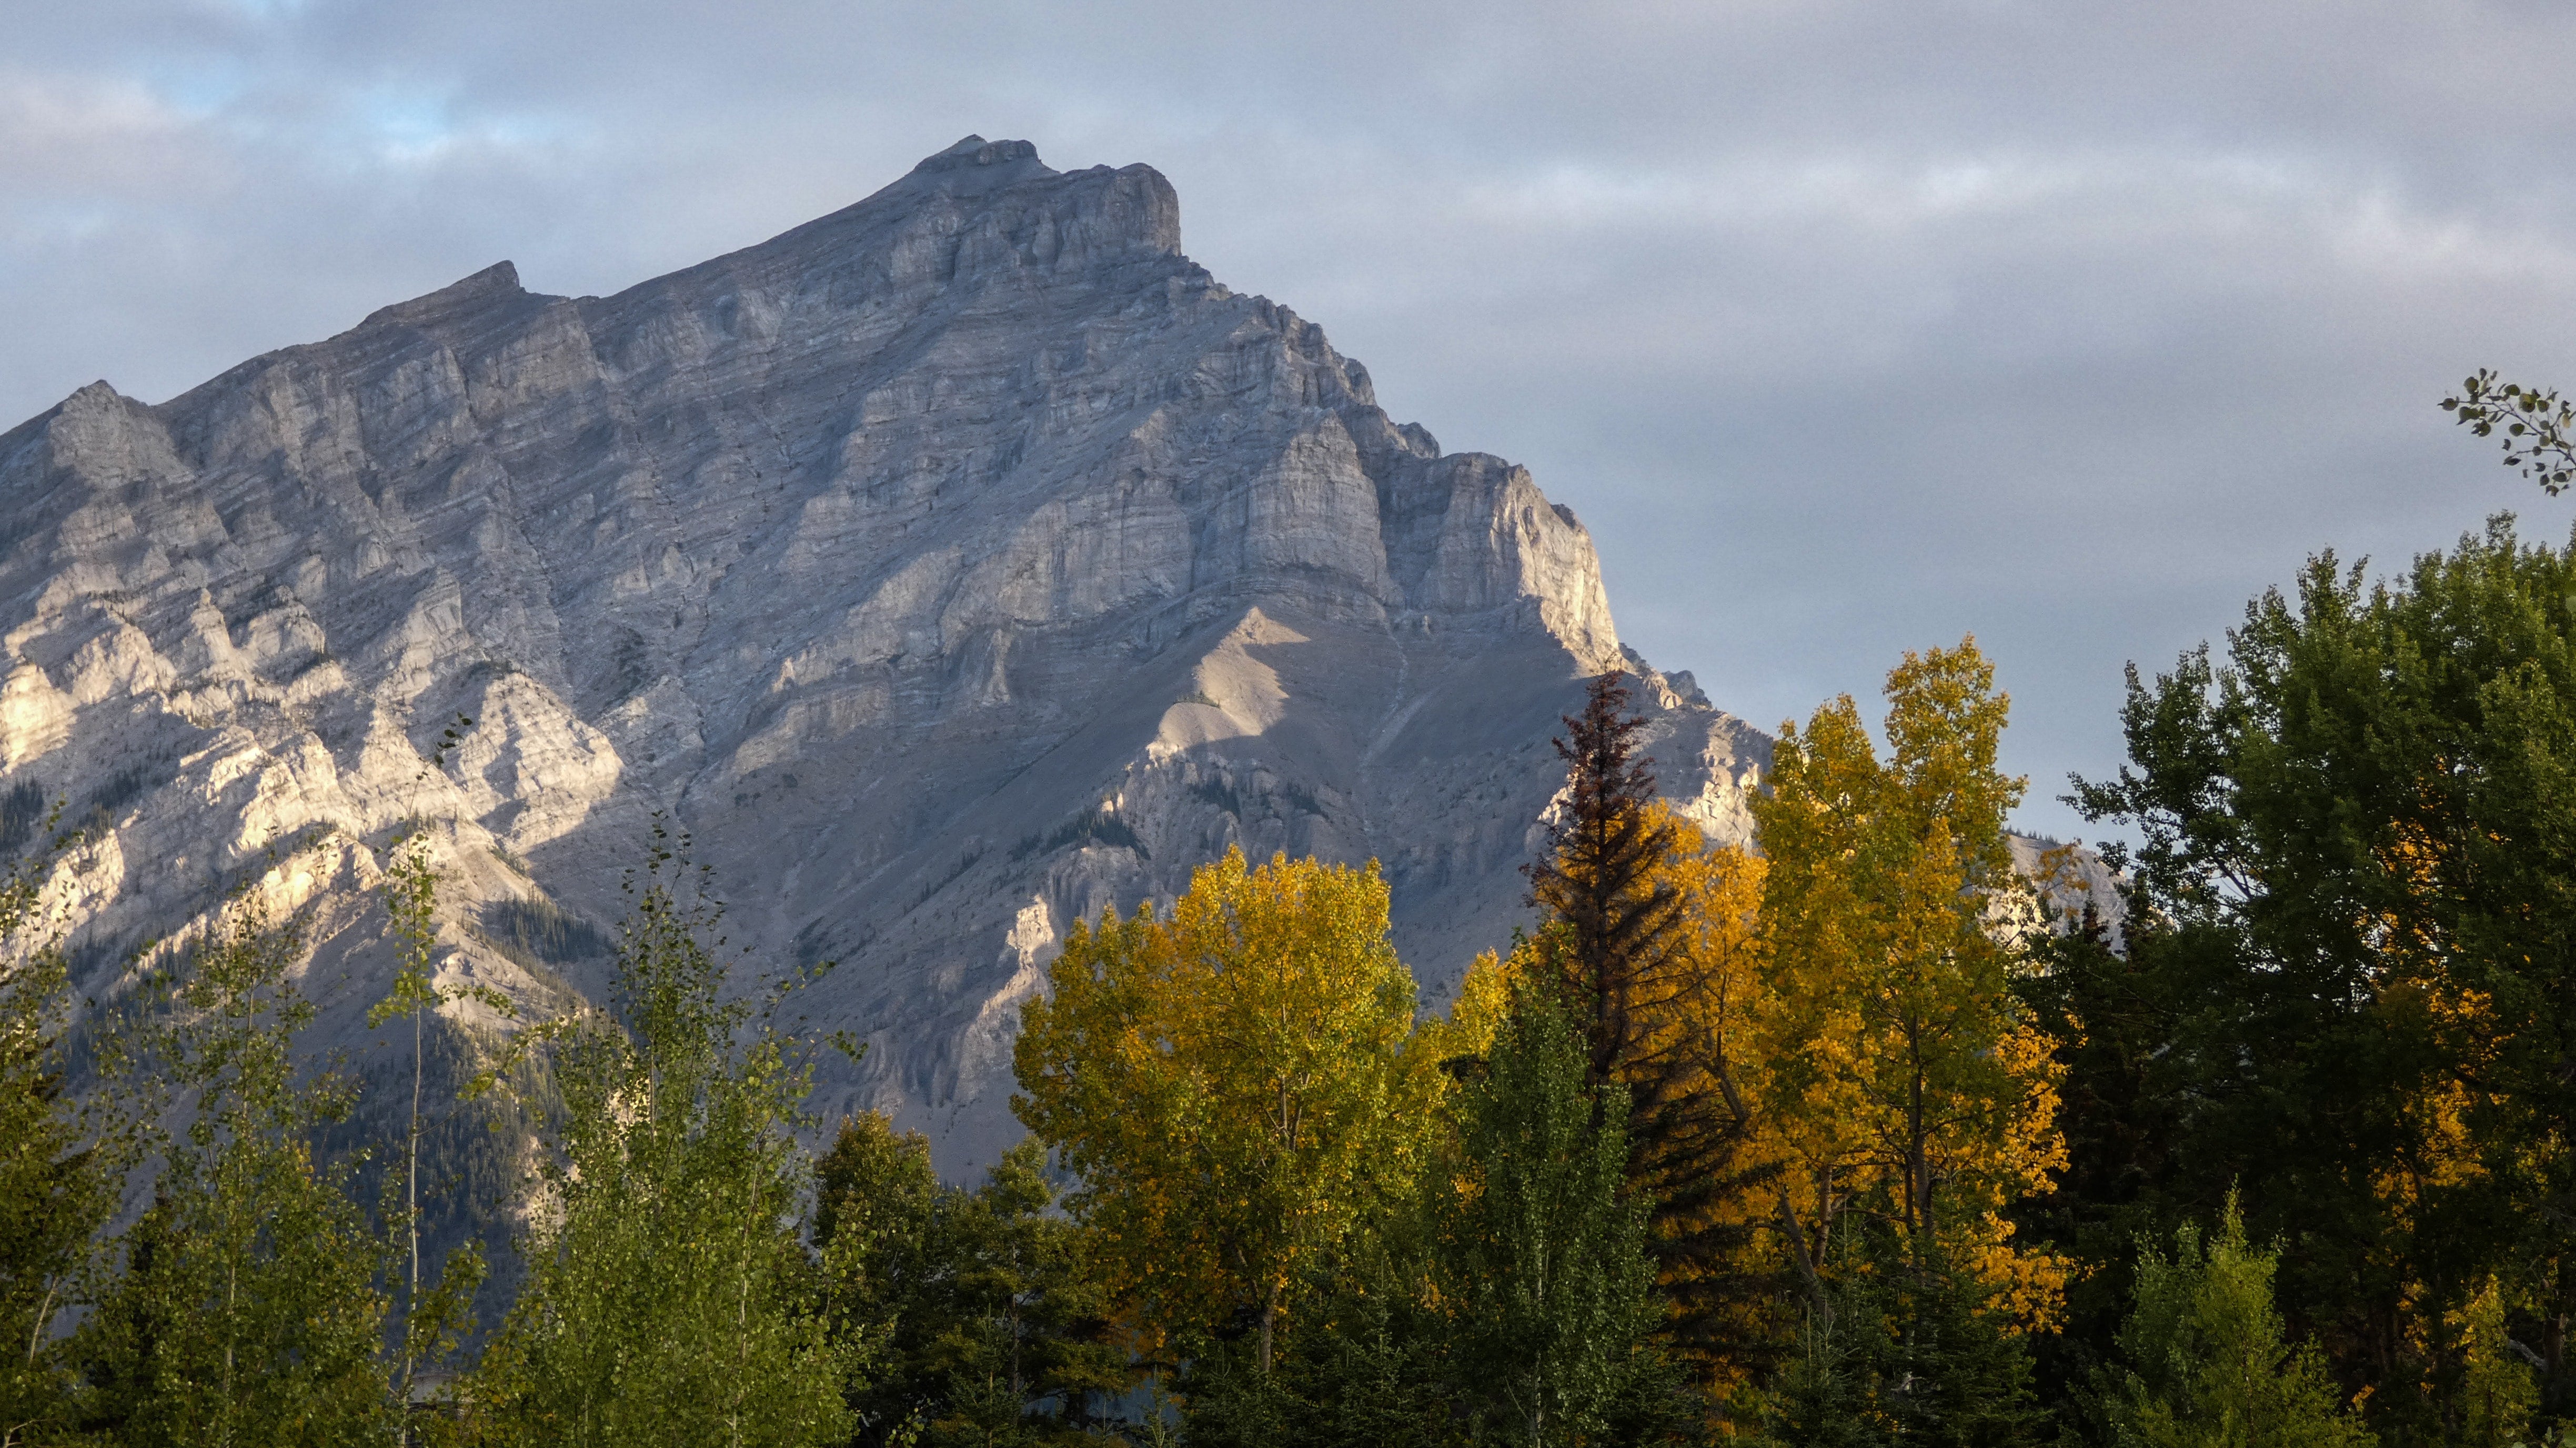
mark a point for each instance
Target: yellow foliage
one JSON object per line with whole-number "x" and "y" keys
{"x": 1901, "y": 1076}
{"x": 1239, "y": 1086}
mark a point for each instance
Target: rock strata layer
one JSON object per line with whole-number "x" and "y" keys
{"x": 958, "y": 564}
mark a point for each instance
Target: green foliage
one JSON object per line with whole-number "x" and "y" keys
{"x": 2348, "y": 972}
{"x": 2539, "y": 429}
{"x": 2209, "y": 1361}
{"x": 1541, "y": 1255}
{"x": 987, "y": 1326}
{"x": 246, "y": 1311}
{"x": 1514, "y": 1303}
{"x": 2497, "y": 1392}
{"x": 56, "y": 1175}
{"x": 669, "y": 1299}
{"x": 1905, "y": 1348}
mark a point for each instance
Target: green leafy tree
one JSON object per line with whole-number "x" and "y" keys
{"x": 875, "y": 1194}
{"x": 2210, "y": 1364}
{"x": 983, "y": 1322}
{"x": 246, "y": 1311}
{"x": 56, "y": 1172}
{"x": 2497, "y": 1393}
{"x": 670, "y": 1299}
{"x": 2350, "y": 955}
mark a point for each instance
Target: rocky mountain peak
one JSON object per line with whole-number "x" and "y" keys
{"x": 960, "y": 563}
{"x": 497, "y": 282}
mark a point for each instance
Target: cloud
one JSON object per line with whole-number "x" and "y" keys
{"x": 1848, "y": 325}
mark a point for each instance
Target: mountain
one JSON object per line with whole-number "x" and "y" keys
{"x": 960, "y": 563}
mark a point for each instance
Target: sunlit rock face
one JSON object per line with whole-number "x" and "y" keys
{"x": 961, "y": 563}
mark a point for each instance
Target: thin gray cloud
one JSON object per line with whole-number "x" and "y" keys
{"x": 1848, "y": 327}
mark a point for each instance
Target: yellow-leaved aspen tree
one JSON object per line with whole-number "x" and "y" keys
{"x": 1240, "y": 1086}
{"x": 1903, "y": 1078}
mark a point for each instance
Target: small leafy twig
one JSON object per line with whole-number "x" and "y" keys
{"x": 2539, "y": 428}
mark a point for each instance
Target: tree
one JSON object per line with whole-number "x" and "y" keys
{"x": 993, "y": 1332}
{"x": 56, "y": 1174}
{"x": 1540, "y": 1255}
{"x": 875, "y": 1194}
{"x": 2209, "y": 1361}
{"x": 1905, "y": 1080}
{"x": 2496, "y": 1394}
{"x": 1647, "y": 934}
{"x": 1239, "y": 1087}
{"x": 431, "y": 1319}
{"x": 2357, "y": 900}
{"x": 670, "y": 1299}
{"x": 247, "y": 1311}
{"x": 1904, "y": 1347}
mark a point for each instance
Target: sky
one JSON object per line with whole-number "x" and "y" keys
{"x": 1847, "y": 328}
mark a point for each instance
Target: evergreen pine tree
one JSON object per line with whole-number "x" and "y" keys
{"x": 1614, "y": 939}
{"x": 1540, "y": 1249}
{"x": 1904, "y": 1349}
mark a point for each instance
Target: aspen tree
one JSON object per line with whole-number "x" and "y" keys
{"x": 1239, "y": 1085}
{"x": 1904, "y": 1078}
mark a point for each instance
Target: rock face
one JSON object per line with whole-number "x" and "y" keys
{"x": 960, "y": 563}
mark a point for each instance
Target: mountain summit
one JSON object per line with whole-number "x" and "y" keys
{"x": 954, "y": 565}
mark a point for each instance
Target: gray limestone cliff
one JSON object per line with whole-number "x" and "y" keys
{"x": 947, "y": 568}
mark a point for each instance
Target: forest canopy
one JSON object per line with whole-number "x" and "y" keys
{"x": 1854, "y": 1133}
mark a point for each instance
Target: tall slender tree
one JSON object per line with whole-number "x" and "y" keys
{"x": 1540, "y": 1248}
{"x": 56, "y": 1173}
{"x": 1642, "y": 937}
{"x": 1906, "y": 1077}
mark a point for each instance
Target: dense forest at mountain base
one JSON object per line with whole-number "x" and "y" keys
{"x": 1842, "y": 1139}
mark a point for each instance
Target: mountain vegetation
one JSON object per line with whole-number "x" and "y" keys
{"x": 1857, "y": 1138}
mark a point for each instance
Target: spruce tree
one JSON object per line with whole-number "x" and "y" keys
{"x": 1540, "y": 1253}
{"x": 1904, "y": 1348}
{"x": 1614, "y": 940}
{"x": 2210, "y": 1363}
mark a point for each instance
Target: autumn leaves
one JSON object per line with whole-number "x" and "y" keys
{"x": 1797, "y": 1043}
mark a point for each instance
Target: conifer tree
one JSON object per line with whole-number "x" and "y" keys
{"x": 1904, "y": 1348}
{"x": 1643, "y": 932}
{"x": 2210, "y": 1364}
{"x": 1540, "y": 1256}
